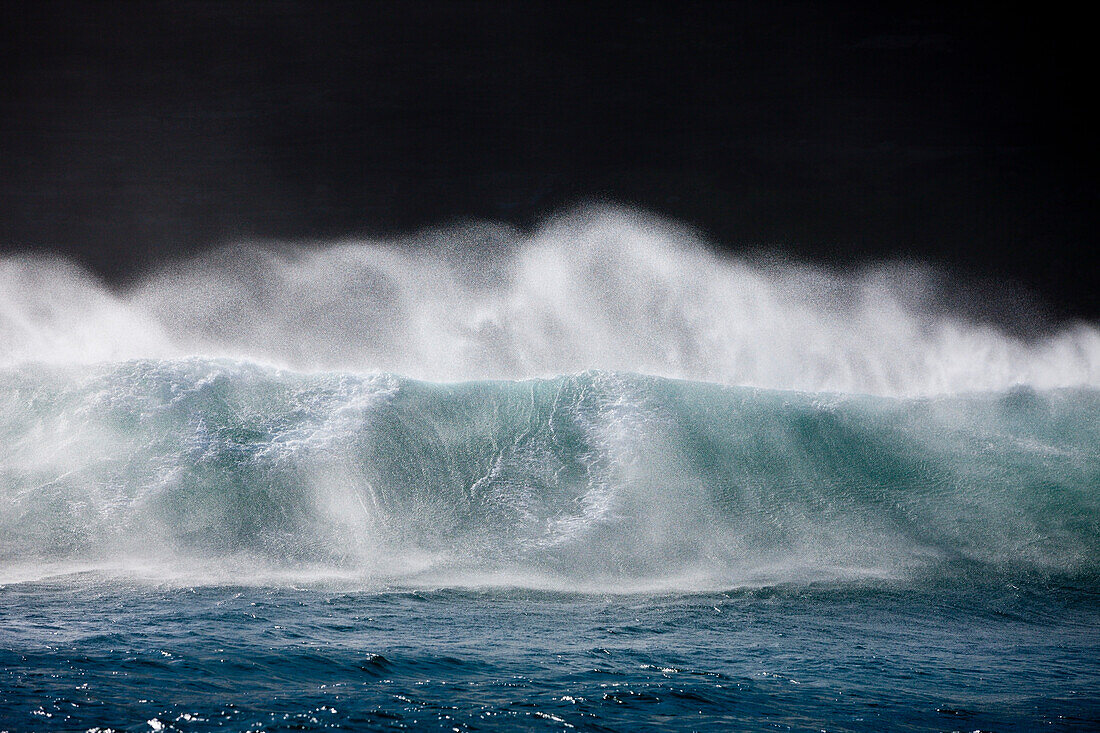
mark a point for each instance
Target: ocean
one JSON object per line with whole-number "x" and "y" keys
{"x": 596, "y": 480}
{"x": 200, "y": 543}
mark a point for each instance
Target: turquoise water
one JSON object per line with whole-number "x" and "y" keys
{"x": 199, "y": 543}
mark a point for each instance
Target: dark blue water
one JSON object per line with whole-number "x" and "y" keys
{"x": 194, "y": 544}
{"x": 82, "y": 653}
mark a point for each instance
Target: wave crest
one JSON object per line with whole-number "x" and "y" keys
{"x": 600, "y": 289}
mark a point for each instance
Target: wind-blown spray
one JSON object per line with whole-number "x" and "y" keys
{"x": 600, "y": 289}
{"x": 255, "y": 412}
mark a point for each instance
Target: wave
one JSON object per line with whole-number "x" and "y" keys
{"x": 597, "y": 289}
{"x": 602, "y": 403}
{"x": 232, "y": 471}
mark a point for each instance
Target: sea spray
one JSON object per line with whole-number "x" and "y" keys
{"x": 596, "y": 289}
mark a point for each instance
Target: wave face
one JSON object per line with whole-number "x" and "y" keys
{"x": 598, "y": 480}
{"x": 599, "y": 289}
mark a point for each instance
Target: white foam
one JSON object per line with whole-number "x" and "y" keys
{"x": 601, "y": 289}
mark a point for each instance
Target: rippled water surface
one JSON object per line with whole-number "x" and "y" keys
{"x": 84, "y": 652}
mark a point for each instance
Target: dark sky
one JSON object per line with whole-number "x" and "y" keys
{"x": 841, "y": 132}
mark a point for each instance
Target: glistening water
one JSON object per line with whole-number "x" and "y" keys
{"x": 638, "y": 487}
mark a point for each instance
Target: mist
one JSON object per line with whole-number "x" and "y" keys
{"x": 598, "y": 288}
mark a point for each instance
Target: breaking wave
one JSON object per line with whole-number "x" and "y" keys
{"x": 600, "y": 480}
{"x": 601, "y": 404}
